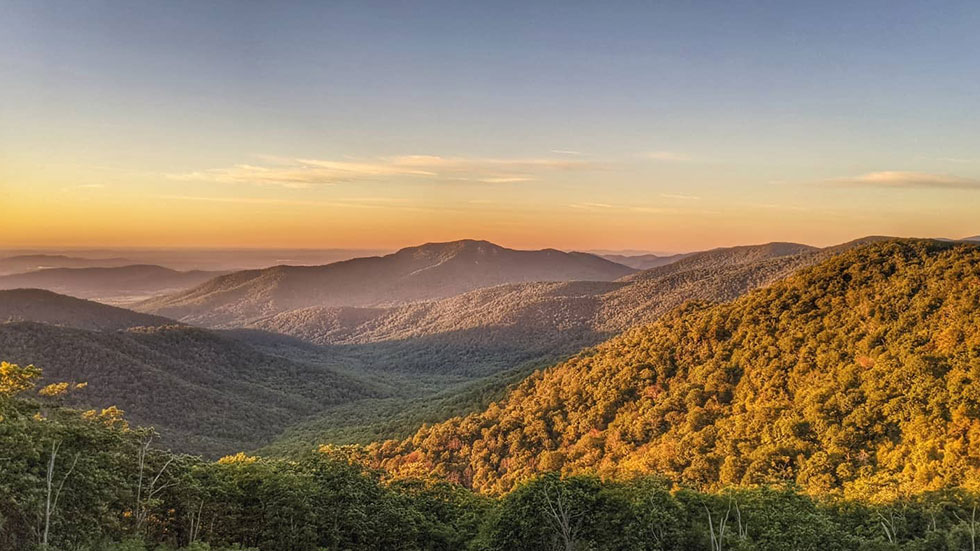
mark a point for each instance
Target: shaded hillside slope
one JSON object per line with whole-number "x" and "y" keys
{"x": 120, "y": 284}
{"x": 557, "y": 316}
{"x": 725, "y": 257}
{"x": 54, "y": 309}
{"x": 644, "y": 261}
{"x": 204, "y": 392}
{"x": 859, "y": 375}
{"x": 429, "y": 271}
{"x": 481, "y": 342}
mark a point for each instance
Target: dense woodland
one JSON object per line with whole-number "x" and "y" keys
{"x": 835, "y": 409}
{"x": 356, "y": 375}
{"x": 859, "y": 376}
{"x": 87, "y": 480}
{"x": 204, "y": 392}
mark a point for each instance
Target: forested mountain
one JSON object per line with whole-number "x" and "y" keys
{"x": 204, "y": 392}
{"x": 558, "y": 316}
{"x": 644, "y": 261}
{"x": 725, "y": 257}
{"x": 857, "y": 376}
{"x": 119, "y": 285}
{"x": 430, "y": 271}
{"x": 54, "y": 309}
{"x": 91, "y": 481}
{"x": 481, "y": 342}
{"x": 30, "y": 262}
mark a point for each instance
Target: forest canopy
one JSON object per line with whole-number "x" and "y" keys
{"x": 857, "y": 377}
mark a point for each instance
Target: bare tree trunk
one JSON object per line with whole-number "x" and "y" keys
{"x": 49, "y": 478}
{"x": 152, "y": 490}
{"x": 564, "y": 519}
{"x": 718, "y": 538}
{"x": 52, "y": 494}
{"x": 888, "y": 525}
{"x": 141, "y": 460}
{"x": 195, "y": 521}
{"x": 973, "y": 529}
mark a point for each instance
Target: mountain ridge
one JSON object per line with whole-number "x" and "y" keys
{"x": 114, "y": 284}
{"x": 202, "y": 391}
{"x": 831, "y": 378}
{"x": 43, "y": 306}
{"x": 432, "y": 270}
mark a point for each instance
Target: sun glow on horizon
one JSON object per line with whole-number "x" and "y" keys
{"x": 651, "y": 128}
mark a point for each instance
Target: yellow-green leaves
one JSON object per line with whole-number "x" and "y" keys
{"x": 15, "y": 379}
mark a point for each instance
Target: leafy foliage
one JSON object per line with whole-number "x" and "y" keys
{"x": 114, "y": 491}
{"x": 205, "y": 392}
{"x": 859, "y": 376}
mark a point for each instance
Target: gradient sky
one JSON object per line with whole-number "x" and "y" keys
{"x": 648, "y": 125}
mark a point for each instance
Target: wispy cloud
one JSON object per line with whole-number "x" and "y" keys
{"x": 300, "y": 173}
{"x": 567, "y": 152}
{"x": 352, "y": 202}
{"x": 668, "y": 156}
{"x": 266, "y": 201}
{"x": 84, "y": 187}
{"x": 643, "y": 209}
{"x": 680, "y": 196}
{"x": 958, "y": 160}
{"x": 902, "y": 179}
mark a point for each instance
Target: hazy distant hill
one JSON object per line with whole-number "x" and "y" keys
{"x": 47, "y": 307}
{"x": 856, "y": 376}
{"x": 499, "y": 333}
{"x": 556, "y": 316}
{"x": 204, "y": 392}
{"x": 729, "y": 256}
{"x": 644, "y": 261}
{"x": 121, "y": 284}
{"x": 430, "y": 271}
{"x": 31, "y": 262}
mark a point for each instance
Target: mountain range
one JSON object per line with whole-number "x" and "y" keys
{"x": 116, "y": 284}
{"x": 31, "y": 262}
{"x": 471, "y": 344}
{"x": 431, "y": 271}
{"x": 644, "y": 261}
{"x": 546, "y": 311}
{"x": 43, "y": 306}
{"x": 855, "y": 376}
{"x": 293, "y": 378}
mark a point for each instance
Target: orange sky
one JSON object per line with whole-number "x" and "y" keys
{"x": 655, "y": 126}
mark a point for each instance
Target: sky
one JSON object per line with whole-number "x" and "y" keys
{"x": 664, "y": 126}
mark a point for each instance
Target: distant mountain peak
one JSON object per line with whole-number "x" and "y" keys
{"x": 451, "y": 248}
{"x": 424, "y": 272}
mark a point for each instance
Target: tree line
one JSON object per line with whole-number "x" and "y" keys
{"x": 87, "y": 480}
{"x": 858, "y": 377}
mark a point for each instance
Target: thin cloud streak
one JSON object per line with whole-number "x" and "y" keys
{"x": 301, "y": 173}
{"x": 268, "y": 201}
{"x": 669, "y": 156}
{"x": 608, "y": 208}
{"x": 907, "y": 180}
